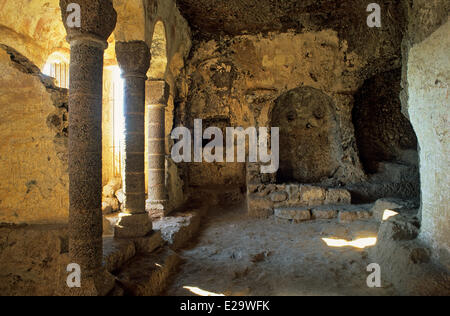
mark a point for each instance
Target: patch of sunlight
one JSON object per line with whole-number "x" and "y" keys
{"x": 388, "y": 214}
{"x": 360, "y": 243}
{"x": 200, "y": 292}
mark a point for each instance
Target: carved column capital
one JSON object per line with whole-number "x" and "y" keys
{"x": 97, "y": 21}
{"x": 134, "y": 58}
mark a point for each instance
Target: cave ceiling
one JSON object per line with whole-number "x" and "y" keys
{"x": 212, "y": 18}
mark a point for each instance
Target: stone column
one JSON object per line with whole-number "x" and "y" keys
{"x": 157, "y": 98}
{"x": 88, "y": 43}
{"x": 134, "y": 60}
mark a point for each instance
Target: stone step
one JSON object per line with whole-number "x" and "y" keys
{"x": 175, "y": 231}
{"x": 142, "y": 265}
{"x": 344, "y": 213}
{"x": 148, "y": 274}
{"x": 117, "y": 252}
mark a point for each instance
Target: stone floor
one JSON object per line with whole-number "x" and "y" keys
{"x": 234, "y": 255}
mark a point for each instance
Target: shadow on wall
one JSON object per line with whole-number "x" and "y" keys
{"x": 383, "y": 134}
{"x": 386, "y": 141}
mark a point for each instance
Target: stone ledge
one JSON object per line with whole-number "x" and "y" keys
{"x": 117, "y": 252}
{"x": 325, "y": 212}
{"x": 148, "y": 274}
{"x": 179, "y": 229}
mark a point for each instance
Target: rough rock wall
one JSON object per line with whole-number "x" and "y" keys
{"x": 33, "y": 147}
{"x": 236, "y": 80}
{"x": 30, "y": 258}
{"x": 428, "y": 89}
{"x": 423, "y": 18}
{"x": 406, "y": 261}
{"x": 211, "y": 19}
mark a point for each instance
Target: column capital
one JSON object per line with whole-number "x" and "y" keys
{"x": 98, "y": 20}
{"x": 134, "y": 58}
{"x": 157, "y": 92}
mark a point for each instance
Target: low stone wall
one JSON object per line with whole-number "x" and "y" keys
{"x": 264, "y": 195}
{"x": 263, "y": 199}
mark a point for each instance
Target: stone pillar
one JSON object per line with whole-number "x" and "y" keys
{"x": 88, "y": 43}
{"x": 157, "y": 97}
{"x": 134, "y": 60}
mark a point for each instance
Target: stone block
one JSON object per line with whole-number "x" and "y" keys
{"x": 108, "y": 191}
{"x": 354, "y": 213}
{"x": 325, "y": 212}
{"x": 293, "y": 214}
{"x": 293, "y": 190}
{"x": 252, "y": 188}
{"x": 279, "y": 196}
{"x": 110, "y": 205}
{"x": 158, "y": 209}
{"x": 259, "y": 207}
{"x": 149, "y": 243}
{"x": 338, "y": 196}
{"x": 133, "y": 226}
{"x": 311, "y": 195}
{"x": 179, "y": 229}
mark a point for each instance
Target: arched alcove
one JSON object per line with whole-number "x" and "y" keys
{"x": 157, "y": 71}
{"x": 308, "y": 136}
{"x": 383, "y": 133}
{"x": 158, "y": 49}
{"x": 57, "y": 67}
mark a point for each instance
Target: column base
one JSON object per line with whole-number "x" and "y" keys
{"x": 133, "y": 225}
{"x": 101, "y": 284}
{"x": 158, "y": 209}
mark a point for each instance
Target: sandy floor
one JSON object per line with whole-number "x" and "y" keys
{"x": 234, "y": 255}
